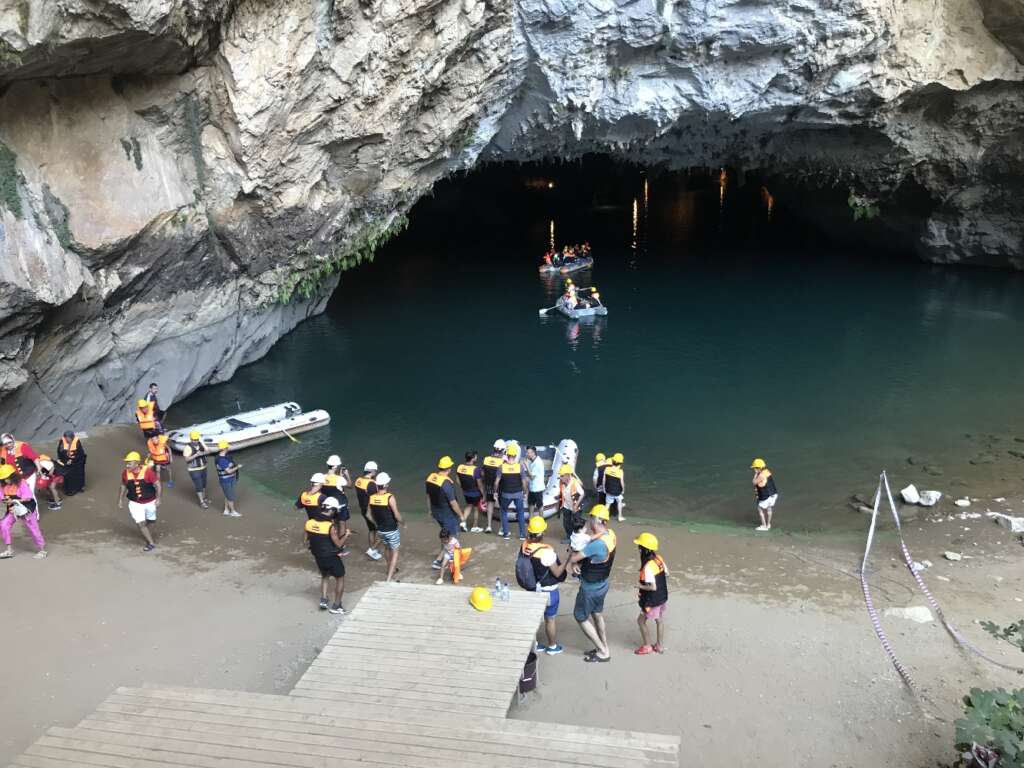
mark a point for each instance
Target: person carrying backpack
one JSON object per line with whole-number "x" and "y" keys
{"x": 538, "y": 569}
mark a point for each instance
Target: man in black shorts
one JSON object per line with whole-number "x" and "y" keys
{"x": 325, "y": 543}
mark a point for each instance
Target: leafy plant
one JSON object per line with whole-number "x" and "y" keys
{"x": 991, "y": 733}
{"x": 10, "y": 198}
{"x": 863, "y": 207}
{"x": 363, "y": 247}
{"x": 1013, "y": 633}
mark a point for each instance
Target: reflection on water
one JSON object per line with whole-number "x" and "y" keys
{"x": 833, "y": 366}
{"x": 551, "y": 237}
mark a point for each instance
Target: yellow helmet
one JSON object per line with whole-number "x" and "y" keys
{"x": 223, "y": 444}
{"x": 758, "y": 464}
{"x": 647, "y": 541}
{"x": 512, "y": 450}
{"x": 142, "y": 403}
{"x": 537, "y": 524}
{"x": 565, "y": 469}
{"x": 480, "y": 599}
{"x": 445, "y": 462}
{"x": 600, "y": 511}
{"x": 618, "y": 458}
{"x": 6, "y": 470}
{"x": 133, "y": 456}
{"x": 599, "y": 458}
{"x": 193, "y": 435}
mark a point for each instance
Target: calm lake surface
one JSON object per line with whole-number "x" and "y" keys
{"x": 730, "y": 335}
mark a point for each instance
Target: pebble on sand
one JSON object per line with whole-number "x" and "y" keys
{"x": 918, "y": 613}
{"x": 910, "y": 494}
{"x": 963, "y": 502}
{"x": 953, "y": 556}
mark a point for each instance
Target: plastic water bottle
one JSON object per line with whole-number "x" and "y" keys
{"x": 505, "y": 594}
{"x": 497, "y": 588}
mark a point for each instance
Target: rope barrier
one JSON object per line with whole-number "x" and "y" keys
{"x": 883, "y": 483}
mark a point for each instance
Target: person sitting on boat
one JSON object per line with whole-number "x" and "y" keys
{"x": 569, "y": 300}
{"x": 547, "y": 258}
{"x": 585, "y": 249}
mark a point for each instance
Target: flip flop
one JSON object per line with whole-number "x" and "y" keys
{"x": 643, "y": 650}
{"x": 657, "y": 648}
{"x": 596, "y": 659}
{"x": 591, "y": 652}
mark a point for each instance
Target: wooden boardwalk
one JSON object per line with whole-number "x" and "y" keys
{"x": 416, "y": 645}
{"x": 414, "y": 677}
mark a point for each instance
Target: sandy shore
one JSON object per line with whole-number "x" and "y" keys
{"x": 770, "y": 653}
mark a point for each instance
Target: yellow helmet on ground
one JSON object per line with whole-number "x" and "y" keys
{"x": 6, "y": 470}
{"x": 618, "y": 458}
{"x": 537, "y": 524}
{"x": 142, "y": 403}
{"x": 193, "y": 435}
{"x": 512, "y": 450}
{"x": 480, "y": 599}
{"x": 223, "y": 445}
{"x": 600, "y": 511}
{"x": 758, "y": 464}
{"x": 445, "y": 462}
{"x": 599, "y": 458}
{"x": 133, "y": 456}
{"x": 647, "y": 541}
{"x": 565, "y": 470}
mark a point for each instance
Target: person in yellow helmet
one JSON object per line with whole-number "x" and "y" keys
{"x": 145, "y": 415}
{"x": 765, "y": 493}
{"x": 653, "y": 594}
{"x": 600, "y": 464}
{"x": 444, "y": 506}
{"x": 140, "y": 485}
{"x": 18, "y": 502}
{"x": 195, "y": 452}
{"x": 595, "y": 562}
{"x": 615, "y": 486}
{"x": 227, "y": 476}
{"x": 538, "y": 569}
{"x": 513, "y": 480}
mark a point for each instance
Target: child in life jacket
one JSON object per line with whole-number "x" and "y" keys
{"x": 452, "y": 558}
{"x": 652, "y": 592}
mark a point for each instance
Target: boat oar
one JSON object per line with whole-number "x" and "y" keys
{"x": 543, "y": 312}
{"x": 294, "y": 440}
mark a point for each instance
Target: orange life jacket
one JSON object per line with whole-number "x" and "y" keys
{"x": 146, "y": 416}
{"x": 158, "y": 449}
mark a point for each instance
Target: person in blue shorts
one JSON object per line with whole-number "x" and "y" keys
{"x": 595, "y": 562}
{"x": 549, "y": 572}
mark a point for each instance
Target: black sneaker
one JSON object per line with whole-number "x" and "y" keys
{"x": 337, "y": 609}
{"x": 323, "y": 603}
{"x": 149, "y": 548}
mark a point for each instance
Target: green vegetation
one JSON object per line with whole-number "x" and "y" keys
{"x": 132, "y": 151}
{"x": 362, "y": 247}
{"x": 618, "y": 73}
{"x": 9, "y": 57}
{"x": 9, "y": 181}
{"x": 991, "y": 732}
{"x": 60, "y": 217}
{"x": 863, "y": 207}
{"x": 993, "y": 722}
{"x": 194, "y": 136}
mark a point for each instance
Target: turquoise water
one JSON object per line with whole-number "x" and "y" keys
{"x": 729, "y": 336}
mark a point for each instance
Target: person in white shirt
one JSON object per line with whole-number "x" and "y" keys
{"x": 535, "y": 468}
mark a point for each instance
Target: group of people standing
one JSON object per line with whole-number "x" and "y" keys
{"x": 24, "y": 473}
{"x": 142, "y": 478}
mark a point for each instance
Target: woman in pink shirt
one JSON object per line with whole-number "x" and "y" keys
{"x": 18, "y": 504}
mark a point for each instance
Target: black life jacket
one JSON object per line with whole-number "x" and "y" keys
{"x": 380, "y": 508}
{"x": 467, "y": 479}
{"x": 318, "y": 532}
{"x": 659, "y": 596}
{"x": 592, "y": 572}
{"x": 768, "y": 490}
{"x": 365, "y": 488}
{"x": 613, "y": 480}
{"x": 492, "y": 465}
{"x": 511, "y": 478}
{"x": 435, "y": 490}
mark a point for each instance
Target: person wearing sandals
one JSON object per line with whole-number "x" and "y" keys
{"x": 653, "y": 594}
{"x": 595, "y": 562}
{"x": 227, "y": 475}
{"x": 18, "y": 504}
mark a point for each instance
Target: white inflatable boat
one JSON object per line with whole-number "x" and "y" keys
{"x": 597, "y": 310}
{"x": 249, "y": 428}
{"x": 566, "y": 452}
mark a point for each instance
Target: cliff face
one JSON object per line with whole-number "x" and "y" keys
{"x": 182, "y": 180}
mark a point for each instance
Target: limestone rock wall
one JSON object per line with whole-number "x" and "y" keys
{"x": 182, "y": 180}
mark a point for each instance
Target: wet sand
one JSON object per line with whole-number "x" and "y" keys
{"x": 770, "y": 653}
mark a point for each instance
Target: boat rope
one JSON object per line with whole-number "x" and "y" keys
{"x": 883, "y": 483}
